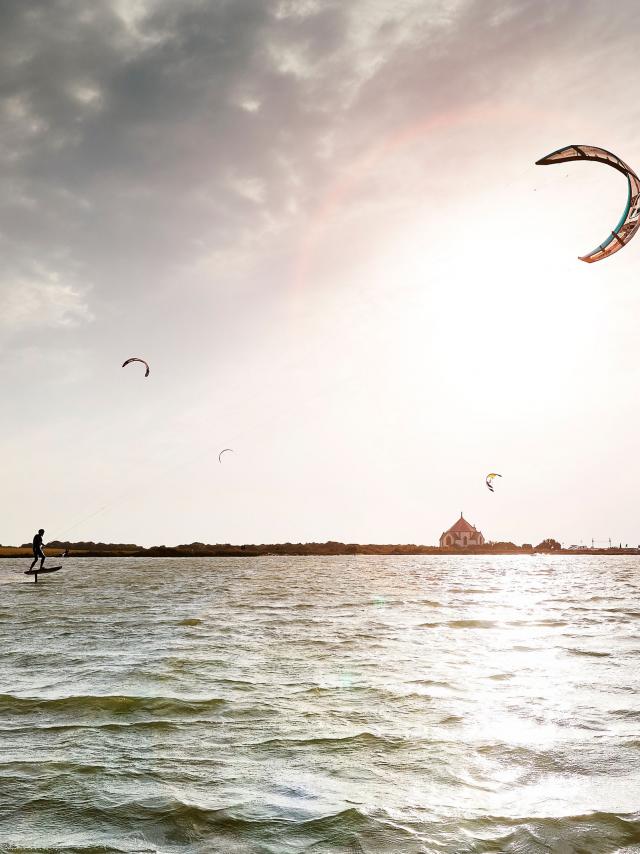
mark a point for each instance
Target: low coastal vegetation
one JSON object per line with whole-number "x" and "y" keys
{"x": 91, "y": 549}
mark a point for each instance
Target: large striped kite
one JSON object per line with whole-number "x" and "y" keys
{"x": 630, "y": 219}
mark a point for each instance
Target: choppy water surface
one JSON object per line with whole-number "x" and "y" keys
{"x": 321, "y": 705}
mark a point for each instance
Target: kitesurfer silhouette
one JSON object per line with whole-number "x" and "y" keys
{"x": 38, "y": 554}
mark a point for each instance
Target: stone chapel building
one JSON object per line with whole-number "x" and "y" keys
{"x": 461, "y": 535}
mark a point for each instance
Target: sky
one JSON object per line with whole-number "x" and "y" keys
{"x": 321, "y": 224}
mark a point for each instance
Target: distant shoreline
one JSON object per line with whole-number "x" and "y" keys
{"x": 329, "y": 549}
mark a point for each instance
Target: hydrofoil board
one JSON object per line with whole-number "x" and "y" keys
{"x": 42, "y": 571}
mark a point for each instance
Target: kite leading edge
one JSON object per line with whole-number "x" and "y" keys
{"x": 630, "y": 219}
{"x": 136, "y": 359}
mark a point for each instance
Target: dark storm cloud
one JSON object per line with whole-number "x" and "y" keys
{"x": 106, "y": 128}
{"x": 135, "y": 136}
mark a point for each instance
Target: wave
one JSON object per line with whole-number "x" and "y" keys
{"x": 319, "y": 690}
{"x": 183, "y": 824}
{"x": 549, "y": 621}
{"x": 591, "y": 653}
{"x": 530, "y": 833}
{"x": 626, "y": 713}
{"x": 472, "y": 624}
{"x": 361, "y": 739}
{"x": 63, "y": 848}
{"x": 348, "y": 831}
{"x": 157, "y": 725}
{"x": 51, "y": 766}
{"x": 460, "y": 624}
{"x": 108, "y": 704}
{"x": 439, "y": 682}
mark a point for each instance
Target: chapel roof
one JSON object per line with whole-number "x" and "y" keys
{"x": 461, "y": 527}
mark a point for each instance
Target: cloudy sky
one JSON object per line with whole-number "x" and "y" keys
{"x": 321, "y": 223}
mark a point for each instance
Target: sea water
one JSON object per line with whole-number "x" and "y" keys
{"x": 360, "y": 704}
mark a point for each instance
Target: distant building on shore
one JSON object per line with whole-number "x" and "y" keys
{"x": 461, "y": 535}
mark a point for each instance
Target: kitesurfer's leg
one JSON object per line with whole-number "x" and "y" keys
{"x": 33, "y": 562}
